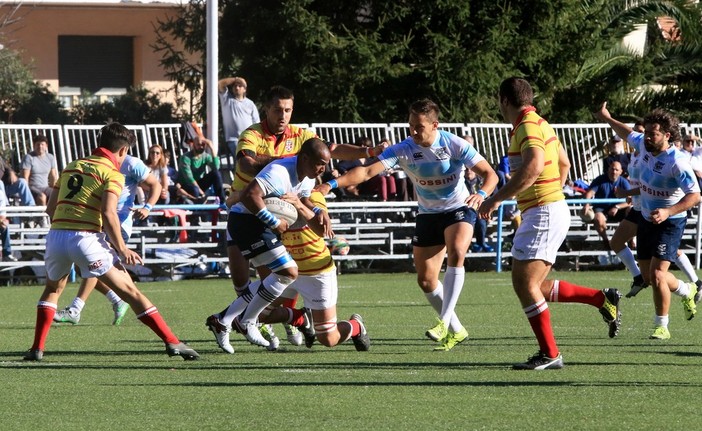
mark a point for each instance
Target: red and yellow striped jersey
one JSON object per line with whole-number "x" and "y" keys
{"x": 532, "y": 131}
{"x": 307, "y": 248}
{"x": 262, "y": 142}
{"x": 81, "y": 186}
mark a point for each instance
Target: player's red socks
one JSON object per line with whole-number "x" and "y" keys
{"x": 45, "y": 315}
{"x": 290, "y": 302}
{"x": 297, "y": 317}
{"x": 152, "y": 318}
{"x": 564, "y": 291}
{"x": 540, "y": 320}
{"x": 355, "y": 327}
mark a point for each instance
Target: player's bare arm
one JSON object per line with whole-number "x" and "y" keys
{"x": 155, "y": 186}
{"x": 621, "y": 129}
{"x": 353, "y": 177}
{"x": 490, "y": 179}
{"x": 662, "y": 214}
{"x": 51, "y": 204}
{"x": 525, "y": 176}
{"x": 354, "y": 152}
{"x": 252, "y": 198}
{"x": 563, "y": 164}
{"x": 251, "y": 163}
{"x": 111, "y": 226}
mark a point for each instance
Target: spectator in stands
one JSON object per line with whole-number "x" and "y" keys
{"x": 435, "y": 161}
{"x": 39, "y": 169}
{"x": 5, "y": 231}
{"x": 11, "y": 185}
{"x": 238, "y": 111}
{"x": 689, "y": 146}
{"x": 605, "y": 186}
{"x": 199, "y": 170}
{"x": 157, "y": 163}
{"x": 615, "y": 153}
{"x": 503, "y": 168}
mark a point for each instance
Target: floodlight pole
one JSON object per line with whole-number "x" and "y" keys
{"x": 212, "y": 71}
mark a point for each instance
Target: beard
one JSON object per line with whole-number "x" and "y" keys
{"x": 650, "y": 147}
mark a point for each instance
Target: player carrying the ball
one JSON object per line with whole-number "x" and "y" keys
{"x": 255, "y": 231}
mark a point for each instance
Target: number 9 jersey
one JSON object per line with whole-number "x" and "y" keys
{"x": 80, "y": 189}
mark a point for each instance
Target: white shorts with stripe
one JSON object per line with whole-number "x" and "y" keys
{"x": 89, "y": 251}
{"x": 543, "y": 230}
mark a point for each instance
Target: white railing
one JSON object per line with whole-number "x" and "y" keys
{"x": 377, "y": 231}
{"x": 583, "y": 142}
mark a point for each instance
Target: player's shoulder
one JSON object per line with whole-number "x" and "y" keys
{"x": 253, "y": 131}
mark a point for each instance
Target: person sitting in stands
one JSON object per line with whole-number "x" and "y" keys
{"x": 39, "y": 170}
{"x": 157, "y": 162}
{"x": 5, "y": 231}
{"x": 11, "y": 185}
{"x": 199, "y": 170}
{"x": 605, "y": 187}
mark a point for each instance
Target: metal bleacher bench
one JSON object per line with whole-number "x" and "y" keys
{"x": 379, "y": 233}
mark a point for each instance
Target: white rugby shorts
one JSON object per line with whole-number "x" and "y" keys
{"x": 543, "y": 230}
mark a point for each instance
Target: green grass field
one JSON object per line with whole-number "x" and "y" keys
{"x": 95, "y": 376}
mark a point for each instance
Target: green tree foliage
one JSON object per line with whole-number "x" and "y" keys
{"x": 360, "y": 60}
{"x": 137, "y": 106}
{"x": 16, "y": 83}
{"x": 42, "y": 107}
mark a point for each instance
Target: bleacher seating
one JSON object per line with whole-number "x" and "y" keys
{"x": 379, "y": 232}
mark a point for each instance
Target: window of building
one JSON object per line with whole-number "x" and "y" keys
{"x": 100, "y": 65}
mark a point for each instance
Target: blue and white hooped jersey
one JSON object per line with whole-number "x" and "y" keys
{"x": 437, "y": 172}
{"x": 634, "y": 170}
{"x": 278, "y": 178}
{"x": 664, "y": 179}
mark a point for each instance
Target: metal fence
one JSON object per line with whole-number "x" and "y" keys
{"x": 584, "y": 143}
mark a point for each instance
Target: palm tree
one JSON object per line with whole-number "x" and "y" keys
{"x": 666, "y": 72}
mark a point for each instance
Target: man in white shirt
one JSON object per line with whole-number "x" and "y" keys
{"x": 238, "y": 111}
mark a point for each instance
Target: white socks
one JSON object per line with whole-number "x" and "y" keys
{"x": 436, "y": 299}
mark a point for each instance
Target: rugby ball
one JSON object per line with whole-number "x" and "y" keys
{"x": 587, "y": 216}
{"x": 281, "y": 209}
{"x": 338, "y": 245}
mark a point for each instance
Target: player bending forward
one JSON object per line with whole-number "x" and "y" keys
{"x": 317, "y": 284}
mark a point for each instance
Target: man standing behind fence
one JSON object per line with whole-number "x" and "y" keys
{"x": 238, "y": 111}
{"x": 539, "y": 168}
{"x": 669, "y": 188}
{"x": 435, "y": 160}
{"x": 84, "y": 198}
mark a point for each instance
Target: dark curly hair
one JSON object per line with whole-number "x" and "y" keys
{"x": 667, "y": 122}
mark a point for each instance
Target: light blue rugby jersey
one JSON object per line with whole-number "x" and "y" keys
{"x": 134, "y": 171}
{"x": 436, "y": 171}
{"x": 278, "y": 178}
{"x": 664, "y": 179}
{"x": 634, "y": 170}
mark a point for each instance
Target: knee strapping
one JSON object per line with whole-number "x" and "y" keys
{"x": 325, "y": 327}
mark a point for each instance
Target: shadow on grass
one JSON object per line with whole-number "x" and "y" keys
{"x": 431, "y": 384}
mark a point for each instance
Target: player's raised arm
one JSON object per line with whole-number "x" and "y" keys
{"x": 353, "y": 177}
